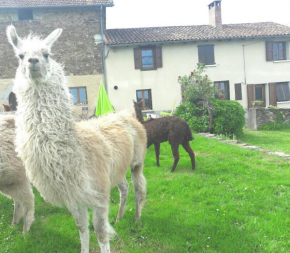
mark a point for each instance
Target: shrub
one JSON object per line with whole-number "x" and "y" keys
{"x": 229, "y": 118}
{"x": 195, "y": 116}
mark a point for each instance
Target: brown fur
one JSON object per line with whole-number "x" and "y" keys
{"x": 6, "y": 108}
{"x": 172, "y": 129}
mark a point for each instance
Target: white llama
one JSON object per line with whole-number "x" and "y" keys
{"x": 13, "y": 181}
{"x": 69, "y": 163}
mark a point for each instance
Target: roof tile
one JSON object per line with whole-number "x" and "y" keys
{"x": 52, "y": 3}
{"x": 194, "y": 33}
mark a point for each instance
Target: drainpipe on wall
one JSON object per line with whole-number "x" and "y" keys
{"x": 103, "y": 52}
{"x": 245, "y": 74}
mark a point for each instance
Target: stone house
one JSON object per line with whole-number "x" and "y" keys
{"x": 247, "y": 62}
{"x": 78, "y": 48}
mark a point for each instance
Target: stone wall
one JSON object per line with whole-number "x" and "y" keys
{"x": 75, "y": 48}
{"x": 260, "y": 116}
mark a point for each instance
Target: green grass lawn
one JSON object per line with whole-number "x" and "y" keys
{"x": 269, "y": 140}
{"x": 237, "y": 201}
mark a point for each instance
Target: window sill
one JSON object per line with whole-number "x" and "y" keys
{"x": 281, "y": 61}
{"x": 283, "y": 102}
{"x": 212, "y": 65}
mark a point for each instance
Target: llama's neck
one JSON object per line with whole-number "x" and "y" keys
{"x": 46, "y": 106}
{"x": 138, "y": 113}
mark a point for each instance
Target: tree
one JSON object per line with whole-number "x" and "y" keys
{"x": 198, "y": 89}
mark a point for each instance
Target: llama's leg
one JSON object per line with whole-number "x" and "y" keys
{"x": 157, "y": 153}
{"x": 102, "y": 228}
{"x": 139, "y": 182}
{"x": 175, "y": 152}
{"x": 18, "y": 211}
{"x": 189, "y": 150}
{"x": 82, "y": 222}
{"x": 123, "y": 189}
{"x": 27, "y": 202}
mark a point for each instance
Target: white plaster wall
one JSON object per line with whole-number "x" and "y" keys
{"x": 181, "y": 59}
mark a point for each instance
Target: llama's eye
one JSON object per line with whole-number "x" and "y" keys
{"x": 21, "y": 56}
{"x": 45, "y": 56}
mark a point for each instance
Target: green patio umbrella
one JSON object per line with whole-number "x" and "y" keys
{"x": 103, "y": 103}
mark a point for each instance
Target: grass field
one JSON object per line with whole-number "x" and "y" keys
{"x": 270, "y": 140}
{"x": 237, "y": 201}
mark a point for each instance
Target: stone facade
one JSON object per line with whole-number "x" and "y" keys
{"x": 257, "y": 117}
{"x": 76, "y": 47}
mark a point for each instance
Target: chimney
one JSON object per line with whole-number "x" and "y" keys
{"x": 215, "y": 13}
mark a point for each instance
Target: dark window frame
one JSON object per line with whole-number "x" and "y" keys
{"x": 227, "y": 90}
{"x": 206, "y": 54}
{"x": 25, "y": 14}
{"x": 270, "y": 51}
{"x": 78, "y": 95}
{"x": 143, "y": 99}
{"x": 156, "y": 57}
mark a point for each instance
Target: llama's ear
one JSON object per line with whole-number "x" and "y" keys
{"x": 13, "y": 38}
{"x": 51, "y": 38}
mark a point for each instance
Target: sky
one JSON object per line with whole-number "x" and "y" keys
{"x": 150, "y": 13}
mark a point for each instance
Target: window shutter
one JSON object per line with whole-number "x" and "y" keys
{"x": 137, "y": 58}
{"x": 272, "y": 94}
{"x": 227, "y": 88}
{"x": 269, "y": 51}
{"x": 202, "y": 55}
{"x": 251, "y": 95}
{"x": 238, "y": 91}
{"x": 206, "y": 54}
{"x": 210, "y": 55}
{"x": 158, "y": 53}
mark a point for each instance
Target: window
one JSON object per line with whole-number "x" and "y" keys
{"x": 25, "y": 14}
{"x": 256, "y": 93}
{"x": 145, "y": 97}
{"x": 282, "y": 92}
{"x": 238, "y": 91}
{"x": 148, "y": 58}
{"x": 79, "y": 95}
{"x": 275, "y": 51}
{"x": 206, "y": 54}
{"x": 222, "y": 90}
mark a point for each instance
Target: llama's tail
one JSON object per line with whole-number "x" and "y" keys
{"x": 189, "y": 136}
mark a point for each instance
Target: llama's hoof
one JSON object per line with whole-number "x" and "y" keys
{"x": 158, "y": 165}
{"x": 171, "y": 170}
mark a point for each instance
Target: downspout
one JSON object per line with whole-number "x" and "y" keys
{"x": 245, "y": 74}
{"x": 103, "y": 52}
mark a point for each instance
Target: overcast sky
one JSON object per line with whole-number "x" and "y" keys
{"x": 149, "y": 13}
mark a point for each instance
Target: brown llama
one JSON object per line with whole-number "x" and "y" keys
{"x": 170, "y": 128}
{"x": 6, "y": 108}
